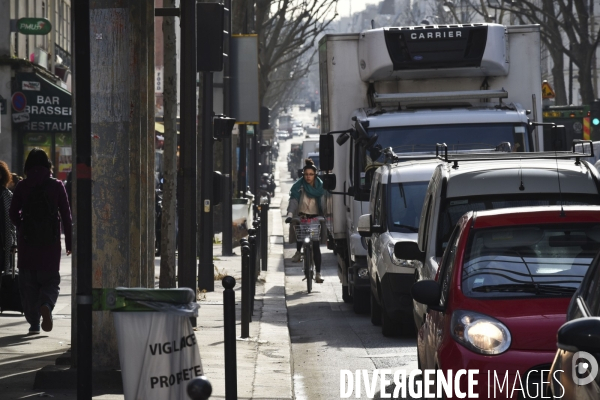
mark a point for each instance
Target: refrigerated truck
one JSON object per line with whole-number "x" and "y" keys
{"x": 408, "y": 88}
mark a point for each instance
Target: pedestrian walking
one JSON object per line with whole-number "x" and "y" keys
{"x": 38, "y": 206}
{"x": 7, "y": 229}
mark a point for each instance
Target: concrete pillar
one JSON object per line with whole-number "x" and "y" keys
{"x": 119, "y": 87}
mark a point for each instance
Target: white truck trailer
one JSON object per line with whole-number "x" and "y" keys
{"x": 408, "y": 88}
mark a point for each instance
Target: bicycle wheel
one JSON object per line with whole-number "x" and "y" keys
{"x": 308, "y": 273}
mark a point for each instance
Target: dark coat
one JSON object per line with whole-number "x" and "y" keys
{"x": 45, "y": 258}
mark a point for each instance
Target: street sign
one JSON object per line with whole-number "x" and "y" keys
{"x": 547, "y": 91}
{"x": 20, "y": 117}
{"x": 34, "y": 26}
{"x": 19, "y": 101}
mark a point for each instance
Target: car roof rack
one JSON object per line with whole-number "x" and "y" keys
{"x": 392, "y": 157}
{"x": 500, "y": 153}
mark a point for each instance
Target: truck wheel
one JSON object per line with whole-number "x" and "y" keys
{"x": 361, "y": 303}
{"x": 375, "y": 311}
{"x": 346, "y": 295}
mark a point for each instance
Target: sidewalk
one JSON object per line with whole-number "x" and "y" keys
{"x": 263, "y": 360}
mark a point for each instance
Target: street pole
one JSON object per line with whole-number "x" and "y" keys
{"x": 242, "y": 166}
{"x": 82, "y": 127}
{"x": 187, "y": 163}
{"x": 227, "y": 243}
{"x": 206, "y": 267}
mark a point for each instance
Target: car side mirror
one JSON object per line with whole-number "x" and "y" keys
{"x": 326, "y": 152}
{"x": 329, "y": 181}
{"x": 427, "y": 292}
{"x": 581, "y": 334}
{"x": 364, "y": 225}
{"x": 409, "y": 251}
{"x": 377, "y": 229}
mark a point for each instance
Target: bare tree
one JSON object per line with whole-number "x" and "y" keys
{"x": 287, "y": 32}
{"x": 566, "y": 30}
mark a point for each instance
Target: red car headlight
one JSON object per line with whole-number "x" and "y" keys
{"x": 480, "y": 333}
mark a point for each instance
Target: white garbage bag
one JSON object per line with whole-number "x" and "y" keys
{"x": 159, "y": 355}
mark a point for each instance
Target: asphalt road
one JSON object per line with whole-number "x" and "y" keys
{"x": 327, "y": 336}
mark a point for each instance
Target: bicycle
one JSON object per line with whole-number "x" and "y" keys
{"x": 308, "y": 231}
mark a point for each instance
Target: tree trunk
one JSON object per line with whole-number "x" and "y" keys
{"x": 168, "y": 242}
{"x": 558, "y": 74}
{"x": 586, "y": 87}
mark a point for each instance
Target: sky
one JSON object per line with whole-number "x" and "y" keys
{"x": 345, "y": 6}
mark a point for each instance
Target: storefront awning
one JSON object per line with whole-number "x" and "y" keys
{"x": 39, "y": 105}
{"x": 159, "y": 126}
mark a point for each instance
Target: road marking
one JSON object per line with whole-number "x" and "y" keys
{"x": 299, "y": 393}
{"x": 389, "y": 355}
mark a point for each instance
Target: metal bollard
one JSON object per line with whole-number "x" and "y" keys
{"x": 229, "y": 338}
{"x": 264, "y": 243}
{"x": 246, "y": 319}
{"x": 257, "y": 233}
{"x": 199, "y": 388}
{"x": 252, "y": 240}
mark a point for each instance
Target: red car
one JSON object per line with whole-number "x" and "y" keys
{"x": 500, "y": 295}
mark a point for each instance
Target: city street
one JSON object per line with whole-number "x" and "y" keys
{"x": 326, "y": 335}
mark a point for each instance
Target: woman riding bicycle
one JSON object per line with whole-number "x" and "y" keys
{"x": 305, "y": 202}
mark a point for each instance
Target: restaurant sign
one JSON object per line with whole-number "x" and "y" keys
{"x": 45, "y": 110}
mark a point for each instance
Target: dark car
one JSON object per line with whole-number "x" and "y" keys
{"x": 574, "y": 373}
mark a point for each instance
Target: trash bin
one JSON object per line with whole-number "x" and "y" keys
{"x": 158, "y": 351}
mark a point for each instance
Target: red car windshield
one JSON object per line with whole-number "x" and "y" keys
{"x": 531, "y": 260}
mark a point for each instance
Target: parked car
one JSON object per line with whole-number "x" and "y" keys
{"x": 297, "y": 131}
{"x": 397, "y": 194}
{"x": 574, "y": 375}
{"x": 502, "y": 291}
{"x": 504, "y": 180}
{"x": 283, "y": 135}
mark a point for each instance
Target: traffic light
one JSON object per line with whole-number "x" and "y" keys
{"x": 264, "y": 118}
{"x": 209, "y": 36}
{"x": 595, "y": 113}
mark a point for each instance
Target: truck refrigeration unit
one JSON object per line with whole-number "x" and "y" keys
{"x": 470, "y": 86}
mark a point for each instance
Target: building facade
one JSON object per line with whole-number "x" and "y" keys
{"x": 35, "y": 82}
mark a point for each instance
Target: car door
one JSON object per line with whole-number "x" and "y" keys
{"x": 433, "y": 324}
